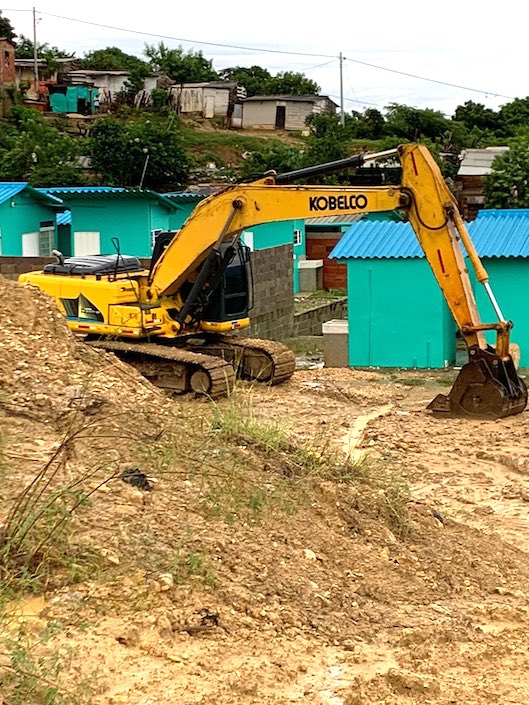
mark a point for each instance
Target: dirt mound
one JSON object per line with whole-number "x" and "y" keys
{"x": 244, "y": 573}
{"x": 46, "y": 374}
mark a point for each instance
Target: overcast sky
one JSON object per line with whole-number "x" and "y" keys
{"x": 472, "y": 43}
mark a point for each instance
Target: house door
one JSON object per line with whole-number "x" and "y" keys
{"x": 30, "y": 244}
{"x": 209, "y": 110}
{"x": 280, "y": 117}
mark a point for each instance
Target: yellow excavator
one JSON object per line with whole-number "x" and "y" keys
{"x": 176, "y": 321}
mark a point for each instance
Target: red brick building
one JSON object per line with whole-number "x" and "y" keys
{"x": 7, "y": 61}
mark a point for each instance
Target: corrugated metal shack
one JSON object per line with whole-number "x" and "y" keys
{"x": 475, "y": 165}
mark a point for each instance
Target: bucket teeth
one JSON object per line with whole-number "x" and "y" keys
{"x": 488, "y": 387}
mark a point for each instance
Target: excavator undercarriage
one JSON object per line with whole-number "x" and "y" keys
{"x": 207, "y": 366}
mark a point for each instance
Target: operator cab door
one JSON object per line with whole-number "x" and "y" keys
{"x": 231, "y": 300}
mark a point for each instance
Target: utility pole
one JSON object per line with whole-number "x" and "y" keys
{"x": 342, "y": 114}
{"x": 35, "y": 59}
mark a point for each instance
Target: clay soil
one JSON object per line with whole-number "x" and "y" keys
{"x": 243, "y": 575}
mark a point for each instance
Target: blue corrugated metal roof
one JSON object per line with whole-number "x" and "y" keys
{"x": 94, "y": 192}
{"x": 377, "y": 240}
{"x": 495, "y": 233}
{"x": 501, "y": 233}
{"x": 64, "y": 218}
{"x": 185, "y": 196}
{"x": 9, "y": 189}
{"x": 84, "y": 189}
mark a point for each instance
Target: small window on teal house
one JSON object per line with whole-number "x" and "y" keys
{"x": 154, "y": 235}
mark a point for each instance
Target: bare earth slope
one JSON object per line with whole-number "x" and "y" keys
{"x": 248, "y": 574}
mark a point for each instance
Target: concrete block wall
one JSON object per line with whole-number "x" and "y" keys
{"x": 11, "y": 267}
{"x": 273, "y": 312}
{"x": 310, "y": 322}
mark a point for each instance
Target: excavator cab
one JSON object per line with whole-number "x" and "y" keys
{"x": 231, "y": 300}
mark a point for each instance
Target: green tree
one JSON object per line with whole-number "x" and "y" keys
{"x": 291, "y": 83}
{"x": 414, "y": 124}
{"x": 253, "y": 78}
{"x": 114, "y": 59}
{"x": 31, "y": 150}
{"x": 327, "y": 142}
{"x": 477, "y": 116}
{"x": 514, "y": 116}
{"x": 278, "y": 157}
{"x": 181, "y": 66}
{"x": 24, "y": 50}
{"x": 121, "y": 149}
{"x": 259, "y": 81}
{"x": 6, "y": 28}
{"x": 507, "y": 186}
{"x": 369, "y": 125}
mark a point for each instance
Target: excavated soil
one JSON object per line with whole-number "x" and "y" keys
{"x": 232, "y": 579}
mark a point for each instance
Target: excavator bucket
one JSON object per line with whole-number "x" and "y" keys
{"x": 488, "y": 387}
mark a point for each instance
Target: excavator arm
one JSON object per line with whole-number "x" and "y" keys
{"x": 488, "y": 385}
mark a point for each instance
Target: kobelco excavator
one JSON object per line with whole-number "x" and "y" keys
{"x": 176, "y": 321}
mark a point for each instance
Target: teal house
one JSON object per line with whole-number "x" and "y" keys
{"x": 101, "y": 214}
{"x": 186, "y": 201}
{"x": 396, "y": 312}
{"x": 501, "y": 238}
{"x": 27, "y": 220}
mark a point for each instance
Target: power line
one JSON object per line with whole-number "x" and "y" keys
{"x": 356, "y": 100}
{"x": 188, "y": 41}
{"x": 431, "y": 80}
{"x": 268, "y": 51}
{"x": 318, "y": 66}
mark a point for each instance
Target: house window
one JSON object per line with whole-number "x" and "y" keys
{"x": 247, "y": 239}
{"x": 46, "y": 240}
{"x": 7, "y": 59}
{"x": 298, "y": 237}
{"x": 154, "y": 235}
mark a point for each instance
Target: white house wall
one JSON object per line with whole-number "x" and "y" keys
{"x": 261, "y": 115}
